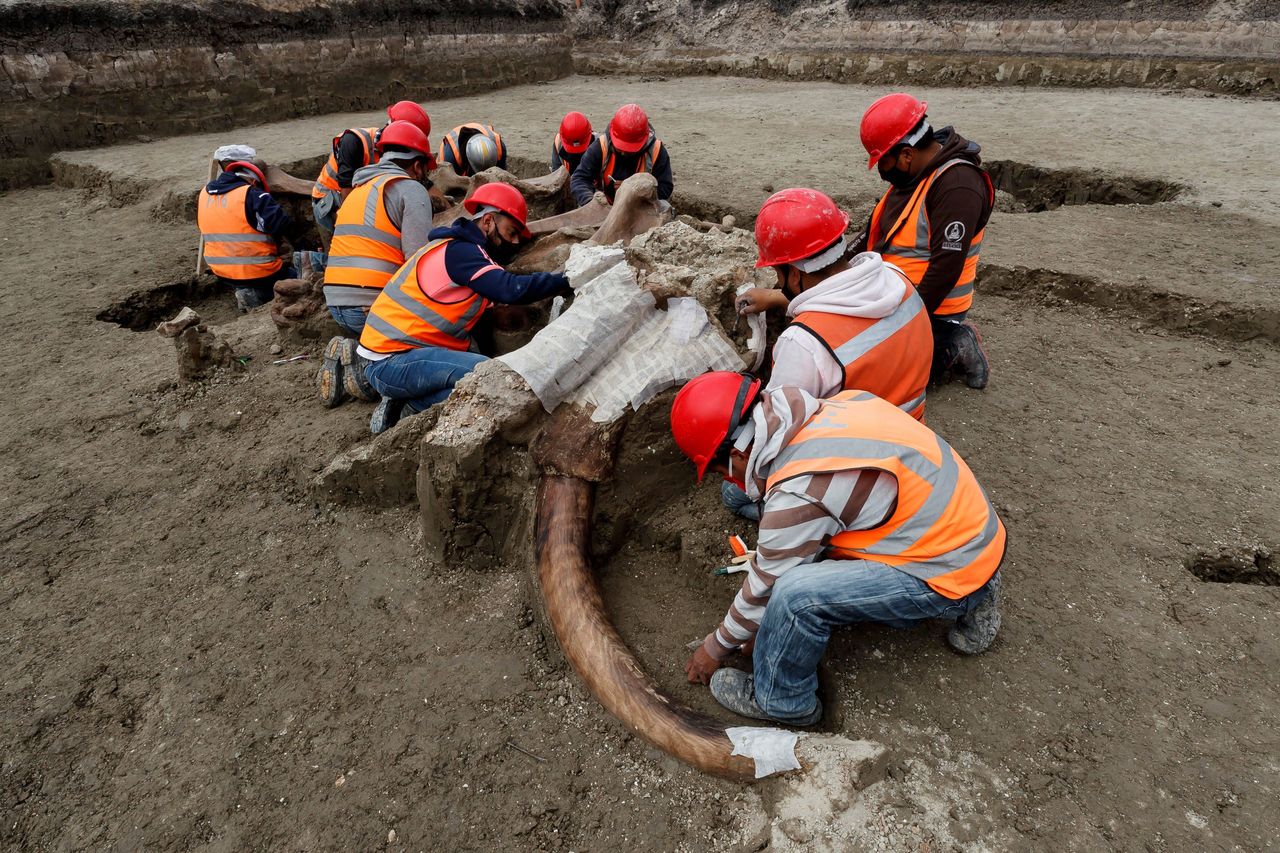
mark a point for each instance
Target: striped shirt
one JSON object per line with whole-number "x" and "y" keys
{"x": 799, "y": 517}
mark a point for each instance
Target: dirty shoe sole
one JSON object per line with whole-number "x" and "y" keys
{"x": 735, "y": 690}
{"x": 329, "y": 378}
{"x": 975, "y": 631}
{"x": 354, "y": 381}
{"x": 973, "y": 358}
{"x": 385, "y": 415}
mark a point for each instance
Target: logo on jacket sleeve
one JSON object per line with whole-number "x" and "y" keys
{"x": 952, "y": 235}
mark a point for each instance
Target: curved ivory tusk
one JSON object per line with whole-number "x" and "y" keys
{"x": 576, "y": 611}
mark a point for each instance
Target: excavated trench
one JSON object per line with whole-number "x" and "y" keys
{"x": 142, "y": 310}
{"x": 1037, "y": 188}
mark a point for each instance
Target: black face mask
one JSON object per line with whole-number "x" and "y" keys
{"x": 502, "y": 251}
{"x": 898, "y": 177}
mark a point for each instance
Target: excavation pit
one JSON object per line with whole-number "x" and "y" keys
{"x": 1251, "y": 564}
{"x": 142, "y": 310}
{"x": 1038, "y": 188}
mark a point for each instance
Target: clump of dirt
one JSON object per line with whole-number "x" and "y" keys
{"x": 1241, "y": 564}
{"x": 1039, "y": 188}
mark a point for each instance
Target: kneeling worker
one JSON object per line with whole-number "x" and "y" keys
{"x": 471, "y": 148}
{"x": 242, "y": 226}
{"x": 930, "y": 222}
{"x": 386, "y": 219}
{"x": 854, "y": 324}
{"x": 417, "y": 339}
{"x": 573, "y": 139}
{"x": 869, "y": 516}
{"x": 629, "y": 146}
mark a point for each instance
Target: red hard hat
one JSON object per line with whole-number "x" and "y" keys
{"x": 412, "y": 113}
{"x": 245, "y": 164}
{"x": 406, "y": 134}
{"x": 887, "y": 121}
{"x": 575, "y": 132}
{"x": 629, "y": 130}
{"x": 707, "y": 411}
{"x": 796, "y": 224}
{"x": 504, "y": 197}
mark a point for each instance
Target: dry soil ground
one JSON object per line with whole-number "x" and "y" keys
{"x": 200, "y": 655}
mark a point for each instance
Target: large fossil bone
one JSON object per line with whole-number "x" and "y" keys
{"x": 636, "y": 209}
{"x": 574, "y": 454}
{"x": 546, "y": 195}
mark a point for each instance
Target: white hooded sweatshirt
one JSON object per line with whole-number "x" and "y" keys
{"x": 870, "y": 288}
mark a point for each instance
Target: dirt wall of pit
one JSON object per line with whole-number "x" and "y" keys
{"x": 79, "y": 75}
{"x": 1233, "y": 49}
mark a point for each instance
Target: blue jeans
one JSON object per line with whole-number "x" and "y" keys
{"x": 808, "y": 601}
{"x": 421, "y": 377}
{"x": 350, "y": 318}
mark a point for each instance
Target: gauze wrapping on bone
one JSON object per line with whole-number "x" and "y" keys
{"x": 758, "y": 338}
{"x": 773, "y": 750}
{"x": 613, "y": 348}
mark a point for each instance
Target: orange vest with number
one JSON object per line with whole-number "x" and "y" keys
{"x": 943, "y": 530}
{"x": 889, "y": 356}
{"x": 365, "y": 250}
{"x": 609, "y": 162}
{"x": 461, "y": 166}
{"x": 328, "y": 180}
{"x": 422, "y": 307}
{"x": 232, "y": 247}
{"x": 906, "y": 243}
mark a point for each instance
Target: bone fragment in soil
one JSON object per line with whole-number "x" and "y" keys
{"x": 545, "y": 195}
{"x": 281, "y": 181}
{"x": 199, "y": 350}
{"x": 590, "y": 215}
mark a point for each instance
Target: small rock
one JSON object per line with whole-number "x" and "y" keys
{"x": 186, "y": 318}
{"x": 276, "y": 349}
{"x": 795, "y": 829}
{"x": 340, "y": 781}
{"x": 1223, "y": 362}
{"x": 767, "y": 188}
{"x": 897, "y": 773}
{"x": 391, "y": 836}
{"x": 729, "y": 220}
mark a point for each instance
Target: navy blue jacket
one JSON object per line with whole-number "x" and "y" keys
{"x": 583, "y": 182}
{"x": 469, "y": 265}
{"x": 261, "y": 211}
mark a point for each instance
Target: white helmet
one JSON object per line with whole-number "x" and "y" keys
{"x": 482, "y": 152}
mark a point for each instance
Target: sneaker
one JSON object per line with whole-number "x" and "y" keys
{"x": 354, "y": 382}
{"x": 970, "y": 358}
{"x": 386, "y": 415}
{"x": 975, "y": 631}
{"x": 737, "y": 501}
{"x": 329, "y": 380}
{"x": 735, "y": 690}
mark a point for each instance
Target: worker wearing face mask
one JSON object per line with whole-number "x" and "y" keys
{"x": 417, "y": 339}
{"x": 931, "y": 222}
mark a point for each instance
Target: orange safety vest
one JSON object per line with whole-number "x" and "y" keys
{"x": 889, "y": 356}
{"x": 328, "y": 180}
{"x": 906, "y": 244}
{"x": 422, "y": 307}
{"x": 609, "y": 161}
{"x": 365, "y": 250}
{"x": 462, "y": 167}
{"x": 232, "y": 247}
{"x": 943, "y": 530}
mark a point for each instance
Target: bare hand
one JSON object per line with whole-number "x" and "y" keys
{"x": 700, "y": 667}
{"x": 760, "y": 299}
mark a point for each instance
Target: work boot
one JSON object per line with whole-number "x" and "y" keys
{"x": 975, "y": 631}
{"x": 735, "y": 690}
{"x": 329, "y": 378}
{"x": 386, "y": 415}
{"x": 970, "y": 359}
{"x": 737, "y": 501}
{"x": 354, "y": 381}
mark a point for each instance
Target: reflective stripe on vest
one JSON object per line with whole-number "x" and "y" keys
{"x": 889, "y": 356}
{"x": 365, "y": 250}
{"x": 232, "y": 247}
{"x": 327, "y": 182}
{"x": 404, "y": 317}
{"x": 609, "y": 162}
{"x": 906, "y": 244}
{"x": 452, "y": 140}
{"x": 943, "y": 529}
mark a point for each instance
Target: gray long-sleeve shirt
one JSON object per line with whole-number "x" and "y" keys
{"x": 408, "y": 206}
